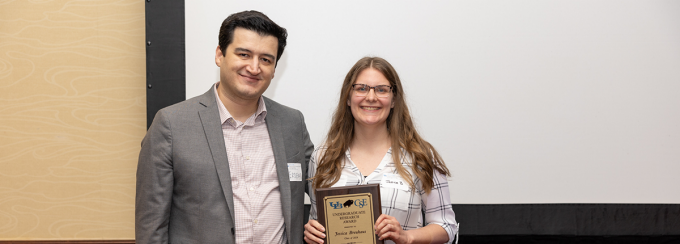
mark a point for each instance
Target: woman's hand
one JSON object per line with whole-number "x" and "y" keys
{"x": 388, "y": 228}
{"x": 314, "y": 232}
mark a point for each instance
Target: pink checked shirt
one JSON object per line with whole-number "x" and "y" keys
{"x": 254, "y": 182}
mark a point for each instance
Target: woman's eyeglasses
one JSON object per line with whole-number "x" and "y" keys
{"x": 380, "y": 90}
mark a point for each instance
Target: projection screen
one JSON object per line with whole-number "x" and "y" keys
{"x": 527, "y": 101}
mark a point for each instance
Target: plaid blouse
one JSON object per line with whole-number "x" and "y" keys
{"x": 397, "y": 202}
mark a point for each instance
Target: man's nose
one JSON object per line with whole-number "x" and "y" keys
{"x": 253, "y": 66}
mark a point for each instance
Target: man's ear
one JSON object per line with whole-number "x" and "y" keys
{"x": 218, "y": 56}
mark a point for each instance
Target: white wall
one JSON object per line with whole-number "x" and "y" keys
{"x": 527, "y": 101}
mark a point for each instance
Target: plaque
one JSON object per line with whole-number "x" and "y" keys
{"x": 349, "y": 213}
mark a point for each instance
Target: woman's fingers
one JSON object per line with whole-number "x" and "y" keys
{"x": 314, "y": 232}
{"x": 315, "y": 225}
{"x": 388, "y": 228}
{"x": 310, "y": 241}
{"x": 389, "y": 236}
{"x": 381, "y": 225}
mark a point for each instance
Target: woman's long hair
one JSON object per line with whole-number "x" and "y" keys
{"x": 400, "y": 127}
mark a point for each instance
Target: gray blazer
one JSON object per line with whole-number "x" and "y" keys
{"x": 184, "y": 192}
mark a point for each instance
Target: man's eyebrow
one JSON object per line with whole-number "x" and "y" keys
{"x": 272, "y": 57}
{"x": 240, "y": 49}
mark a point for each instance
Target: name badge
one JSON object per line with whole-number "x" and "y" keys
{"x": 294, "y": 172}
{"x": 394, "y": 181}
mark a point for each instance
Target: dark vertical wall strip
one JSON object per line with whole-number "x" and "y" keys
{"x": 165, "y": 57}
{"x": 480, "y": 223}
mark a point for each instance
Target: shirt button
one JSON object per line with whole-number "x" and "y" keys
{"x": 247, "y": 157}
{"x": 255, "y": 221}
{"x": 252, "y": 188}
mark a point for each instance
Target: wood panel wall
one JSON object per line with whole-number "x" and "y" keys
{"x": 72, "y": 116}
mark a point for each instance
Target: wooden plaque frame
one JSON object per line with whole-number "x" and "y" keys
{"x": 322, "y": 193}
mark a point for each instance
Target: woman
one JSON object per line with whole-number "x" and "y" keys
{"x": 371, "y": 130}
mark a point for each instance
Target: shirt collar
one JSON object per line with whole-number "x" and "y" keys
{"x": 259, "y": 117}
{"x": 383, "y": 163}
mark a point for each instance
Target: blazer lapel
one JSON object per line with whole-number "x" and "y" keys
{"x": 278, "y": 146}
{"x": 210, "y": 119}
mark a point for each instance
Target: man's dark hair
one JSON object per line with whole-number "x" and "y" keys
{"x": 254, "y": 21}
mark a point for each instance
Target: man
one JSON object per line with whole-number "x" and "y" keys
{"x": 227, "y": 166}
